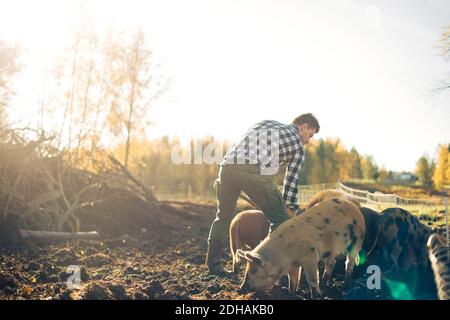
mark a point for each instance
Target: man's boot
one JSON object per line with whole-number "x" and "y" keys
{"x": 213, "y": 260}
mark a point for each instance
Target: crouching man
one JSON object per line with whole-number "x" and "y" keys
{"x": 248, "y": 167}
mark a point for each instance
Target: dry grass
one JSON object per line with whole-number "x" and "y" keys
{"x": 41, "y": 189}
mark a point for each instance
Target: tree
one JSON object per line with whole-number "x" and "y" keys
{"x": 444, "y": 46}
{"x": 78, "y": 76}
{"x": 355, "y": 159}
{"x": 424, "y": 171}
{"x": 369, "y": 168}
{"x": 106, "y": 82}
{"x": 305, "y": 175}
{"x": 329, "y": 161}
{"x": 445, "y": 42}
{"x": 9, "y": 67}
{"x": 133, "y": 85}
{"x": 441, "y": 175}
{"x": 343, "y": 158}
{"x": 383, "y": 174}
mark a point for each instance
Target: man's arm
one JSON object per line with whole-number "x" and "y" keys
{"x": 291, "y": 213}
{"x": 290, "y": 185}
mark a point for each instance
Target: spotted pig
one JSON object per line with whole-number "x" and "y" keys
{"x": 401, "y": 239}
{"x": 439, "y": 254}
{"x": 247, "y": 230}
{"x": 321, "y": 233}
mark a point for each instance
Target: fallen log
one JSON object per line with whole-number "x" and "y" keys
{"x": 52, "y": 235}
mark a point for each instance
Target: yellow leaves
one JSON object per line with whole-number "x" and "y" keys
{"x": 445, "y": 41}
{"x": 441, "y": 177}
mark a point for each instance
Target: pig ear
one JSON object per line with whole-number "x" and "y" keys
{"x": 241, "y": 253}
{"x": 255, "y": 257}
{"x": 252, "y": 257}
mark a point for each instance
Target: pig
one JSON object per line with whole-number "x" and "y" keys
{"x": 439, "y": 254}
{"x": 247, "y": 229}
{"x": 321, "y": 233}
{"x": 371, "y": 218}
{"x": 401, "y": 239}
{"x": 327, "y": 195}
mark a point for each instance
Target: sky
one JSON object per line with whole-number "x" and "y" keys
{"x": 366, "y": 69}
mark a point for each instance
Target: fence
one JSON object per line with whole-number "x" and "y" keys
{"x": 377, "y": 197}
{"x": 306, "y": 192}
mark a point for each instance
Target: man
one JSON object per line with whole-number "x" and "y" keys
{"x": 248, "y": 166}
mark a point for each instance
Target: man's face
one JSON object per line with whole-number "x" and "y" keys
{"x": 306, "y": 133}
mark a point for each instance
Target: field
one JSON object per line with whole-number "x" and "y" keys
{"x": 160, "y": 256}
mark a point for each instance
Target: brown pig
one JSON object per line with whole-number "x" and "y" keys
{"x": 247, "y": 230}
{"x": 321, "y": 233}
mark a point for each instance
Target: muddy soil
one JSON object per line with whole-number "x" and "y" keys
{"x": 162, "y": 259}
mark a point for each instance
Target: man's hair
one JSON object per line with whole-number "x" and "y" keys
{"x": 309, "y": 119}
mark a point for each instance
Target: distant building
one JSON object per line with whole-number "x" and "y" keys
{"x": 402, "y": 177}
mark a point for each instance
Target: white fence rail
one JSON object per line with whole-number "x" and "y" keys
{"x": 377, "y": 197}
{"x": 306, "y": 192}
{"x": 365, "y": 196}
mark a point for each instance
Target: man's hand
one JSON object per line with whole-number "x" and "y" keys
{"x": 291, "y": 213}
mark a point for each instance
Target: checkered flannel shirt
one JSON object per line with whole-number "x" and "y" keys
{"x": 271, "y": 144}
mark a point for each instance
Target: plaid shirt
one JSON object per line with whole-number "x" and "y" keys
{"x": 271, "y": 144}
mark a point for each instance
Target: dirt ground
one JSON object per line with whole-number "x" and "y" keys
{"x": 160, "y": 255}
